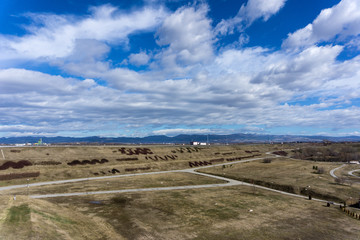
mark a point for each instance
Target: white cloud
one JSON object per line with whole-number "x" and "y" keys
{"x": 177, "y": 131}
{"x": 309, "y": 69}
{"x": 338, "y": 22}
{"x": 187, "y": 82}
{"x": 56, "y": 36}
{"x": 139, "y": 59}
{"x": 256, "y": 9}
{"x": 253, "y": 10}
{"x": 188, "y": 35}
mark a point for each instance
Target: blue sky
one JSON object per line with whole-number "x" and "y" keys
{"x": 138, "y": 68}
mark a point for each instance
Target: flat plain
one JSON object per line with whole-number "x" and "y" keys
{"x": 230, "y": 212}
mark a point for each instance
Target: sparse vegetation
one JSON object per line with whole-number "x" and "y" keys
{"x": 216, "y": 213}
{"x": 328, "y": 153}
{"x": 12, "y": 176}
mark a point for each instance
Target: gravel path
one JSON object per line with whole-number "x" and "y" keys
{"x": 351, "y": 173}
{"x": 332, "y": 172}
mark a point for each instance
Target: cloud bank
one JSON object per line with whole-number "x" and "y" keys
{"x": 185, "y": 80}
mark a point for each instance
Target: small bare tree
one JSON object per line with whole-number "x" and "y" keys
{"x": 320, "y": 170}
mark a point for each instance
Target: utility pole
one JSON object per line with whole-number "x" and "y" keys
{"x": 27, "y": 180}
{"x": 2, "y": 154}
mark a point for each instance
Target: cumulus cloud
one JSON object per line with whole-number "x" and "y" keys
{"x": 139, "y": 59}
{"x": 54, "y": 36}
{"x": 338, "y": 22}
{"x": 185, "y": 81}
{"x": 248, "y": 13}
{"x": 306, "y": 70}
{"x": 188, "y": 36}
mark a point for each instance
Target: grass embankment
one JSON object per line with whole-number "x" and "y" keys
{"x": 227, "y": 213}
{"x": 57, "y": 163}
{"x": 28, "y": 219}
{"x": 294, "y": 176}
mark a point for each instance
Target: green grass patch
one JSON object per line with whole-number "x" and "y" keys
{"x": 55, "y": 218}
{"x": 18, "y": 214}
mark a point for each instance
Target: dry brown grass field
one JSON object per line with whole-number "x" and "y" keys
{"x": 236, "y": 212}
{"x": 52, "y": 162}
{"x": 296, "y": 175}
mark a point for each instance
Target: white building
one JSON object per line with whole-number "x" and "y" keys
{"x": 354, "y": 162}
{"x": 198, "y": 143}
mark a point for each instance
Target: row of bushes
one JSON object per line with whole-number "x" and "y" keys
{"x": 18, "y": 175}
{"x": 187, "y": 149}
{"x": 350, "y": 213}
{"x": 281, "y": 187}
{"x": 136, "y": 151}
{"x": 16, "y": 165}
{"x": 240, "y": 158}
{"x": 113, "y": 171}
{"x": 227, "y": 153}
{"x": 47, "y": 163}
{"x": 280, "y": 153}
{"x": 233, "y": 159}
{"x": 199, "y": 163}
{"x": 253, "y": 151}
{"x": 165, "y": 158}
{"x": 136, "y": 169}
{"x": 15, "y": 151}
{"x": 84, "y": 162}
{"x": 312, "y": 193}
{"x": 217, "y": 160}
{"x": 127, "y": 159}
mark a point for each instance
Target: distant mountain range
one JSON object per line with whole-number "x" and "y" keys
{"x": 180, "y": 139}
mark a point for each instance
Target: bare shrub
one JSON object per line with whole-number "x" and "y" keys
{"x": 267, "y": 160}
{"x": 320, "y": 170}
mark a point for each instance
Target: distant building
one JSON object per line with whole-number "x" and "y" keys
{"x": 198, "y": 143}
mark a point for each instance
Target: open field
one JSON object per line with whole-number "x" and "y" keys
{"x": 231, "y": 212}
{"x": 296, "y": 176}
{"x": 187, "y": 214}
{"x": 57, "y": 163}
